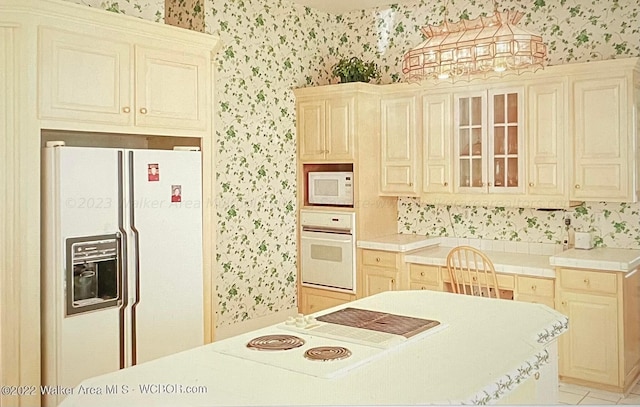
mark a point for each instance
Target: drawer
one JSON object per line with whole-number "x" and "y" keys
{"x": 588, "y": 281}
{"x": 422, "y": 286}
{"x": 505, "y": 281}
{"x": 541, "y": 287}
{"x": 548, "y": 301}
{"x": 379, "y": 258}
{"x": 424, "y": 274}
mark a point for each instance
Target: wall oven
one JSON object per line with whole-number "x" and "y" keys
{"x": 327, "y": 250}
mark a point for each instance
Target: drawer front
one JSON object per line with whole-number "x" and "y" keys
{"x": 422, "y": 286}
{"x": 379, "y": 258}
{"x": 424, "y": 274}
{"x": 548, "y": 301}
{"x": 505, "y": 281}
{"x": 541, "y": 287}
{"x": 588, "y": 281}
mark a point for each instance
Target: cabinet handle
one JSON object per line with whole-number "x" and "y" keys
{"x": 143, "y": 110}
{"x": 488, "y": 183}
{"x": 126, "y": 109}
{"x": 411, "y": 184}
{"x": 536, "y": 375}
{"x": 474, "y": 279}
{"x": 531, "y": 184}
{"x": 564, "y": 303}
{"x": 393, "y": 281}
{"x": 446, "y": 184}
{"x": 423, "y": 287}
{"x": 533, "y": 287}
{"x": 577, "y": 186}
{"x": 378, "y": 259}
{"x": 422, "y": 274}
{"x": 586, "y": 281}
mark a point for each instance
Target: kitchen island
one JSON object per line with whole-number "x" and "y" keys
{"x": 483, "y": 351}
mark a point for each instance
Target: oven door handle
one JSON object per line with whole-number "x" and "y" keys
{"x": 327, "y": 237}
{"x": 326, "y": 230}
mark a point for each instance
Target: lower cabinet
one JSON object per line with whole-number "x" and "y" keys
{"x": 314, "y": 299}
{"x": 380, "y": 271}
{"x": 602, "y": 346}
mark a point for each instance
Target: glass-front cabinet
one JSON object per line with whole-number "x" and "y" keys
{"x": 488, "y": 141}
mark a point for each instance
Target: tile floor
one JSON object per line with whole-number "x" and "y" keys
{"x": 572, "y": 394}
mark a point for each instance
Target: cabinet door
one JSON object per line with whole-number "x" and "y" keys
{"x": 601, "y": 137}
{"x": 340, "y": 126}
{"x": 589, "y": 350}
{"x": 399, "y": 149}
{"x": 470, "y": 135}
{"x": 377, "y": 281}
{"x": 311, "y": 130}
{"x": 84, "y": 78}
{"x": 546, "y": 133}
{"x": 436, "y": 136}
{"x": 505, "y": 141}
{"x": 171, "y": 89}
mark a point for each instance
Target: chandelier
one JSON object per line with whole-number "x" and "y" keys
{"x": 487, "y": 45}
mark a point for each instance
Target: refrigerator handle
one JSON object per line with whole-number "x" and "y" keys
{"x": 122, "y": 263}
{"x": 136, "y": 250}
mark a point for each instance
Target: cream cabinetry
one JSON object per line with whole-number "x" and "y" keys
{"x": 605, "y": 136}
{"x": 602, "y": 347}
{"x": 314, "y": 300}
{"x": 436, "y": 138}
{"x": 400, "y": 149}
{"x": 488, "y": 148}
{"x": 326, "y": 128}
{"x": 535, "y": 289}
{"x": 547, "y": 136}
{"x": 424, "y": 277}
{"x": 380, "y": 271}
{"x": 103, "y": 77}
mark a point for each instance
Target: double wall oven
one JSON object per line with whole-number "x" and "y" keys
{"x": 328, "y": 250}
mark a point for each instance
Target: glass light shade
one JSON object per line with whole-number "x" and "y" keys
{"x": 482, "y": 46}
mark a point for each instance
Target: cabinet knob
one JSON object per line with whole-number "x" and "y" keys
{"x": 474, "y": 279}
{"x": 423, "y": 287}
{"x": 143, "y": 110}
{"x": 411, "y": 184}
{"x": 536, "y": 375}
{"x": 446, "y": 184}
{"x": 393, "y": 281}
{"x": 533, "y": 287}
{"x": 531, "y": 184}
{"x": 126, "y": 109}
{"x": 577, "y": 186}
{"x": 378, "y": 259}
{"x": 564, "y": 303}
{"x": 586, "y": 281}
{"x": 422, "y": 274}
{"x": 488, "y": 183}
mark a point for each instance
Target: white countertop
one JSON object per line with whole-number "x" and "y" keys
{"x": 398, "y": 242}
{"x": 486, "y": 344}
{"x": 600, "y": 258}
{"x": 504, "y": 262}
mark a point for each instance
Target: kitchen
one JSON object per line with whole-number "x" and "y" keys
{"x": 256, "y": 143}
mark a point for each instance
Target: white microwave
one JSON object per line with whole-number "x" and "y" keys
{"x": 331, "y": 188}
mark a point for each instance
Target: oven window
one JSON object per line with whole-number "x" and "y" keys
{"x": 327, "y": 253}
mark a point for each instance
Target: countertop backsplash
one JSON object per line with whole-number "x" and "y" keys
{"x": 614, "y": 225}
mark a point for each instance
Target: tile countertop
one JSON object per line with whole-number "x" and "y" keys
{"x": 600, "y": 258}
{"x": 504, "y": 262}
{"x": 398, "y": 242}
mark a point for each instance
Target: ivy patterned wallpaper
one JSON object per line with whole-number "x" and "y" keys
{"x": 272, "y": 46}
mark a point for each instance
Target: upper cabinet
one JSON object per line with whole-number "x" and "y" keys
{"x": 437, "y": 125}
{"x": 326, "y": 128}
{"x": 488, "y": 141}
{"x": 398, "y": 133}
{"x": 605, "y": 136}
{"x": 102, "y": 79}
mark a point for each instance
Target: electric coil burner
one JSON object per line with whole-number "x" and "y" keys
{"x": 327, "y": 353}
{"x": 275, "y": 342}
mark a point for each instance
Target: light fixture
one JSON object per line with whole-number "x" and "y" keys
{"x": 486, "y": 46}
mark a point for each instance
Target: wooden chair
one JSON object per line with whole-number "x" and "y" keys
{"x": 472, "y": 272}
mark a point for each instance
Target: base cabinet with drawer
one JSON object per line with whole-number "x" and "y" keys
{"x": 314, "y": 299}
{"x": 380, "y": 271}
{"x": 602, "y": 346}
{"x": 535, "y": 289}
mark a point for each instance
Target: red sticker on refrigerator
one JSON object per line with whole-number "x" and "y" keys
{"x": 154, "y": 172}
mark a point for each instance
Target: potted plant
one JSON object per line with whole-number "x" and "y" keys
{"x": 355, "y": 69}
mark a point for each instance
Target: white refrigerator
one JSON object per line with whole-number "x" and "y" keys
{"x": 122, "y": 279}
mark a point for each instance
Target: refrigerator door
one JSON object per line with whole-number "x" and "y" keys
{"x": 166, "y": 278}
{"x": 81, "y": 199}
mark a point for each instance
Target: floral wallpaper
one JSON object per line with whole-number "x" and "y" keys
{"x": 272, "y": 46}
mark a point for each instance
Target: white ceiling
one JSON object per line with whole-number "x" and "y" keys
{"x": 343, "y": 6}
